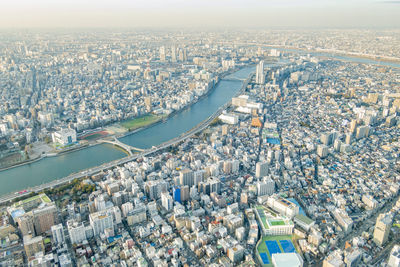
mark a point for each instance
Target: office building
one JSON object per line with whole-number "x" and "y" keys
{"x": 235, "y": 254}
{"x": 283, "y": 206}
{"x": 57, "y": 232}
{"x": 44, "y": 218}
{"x": 100, "y": 221}
{"x": 167, "y": 201}
{"x": 322, "y": 151}
{"x": 260, "y": 76}
{"x": 76, "y": 232}
{"x": 64, "y": 137}
{"x": 261, "y": 169}
{"x": 382, "y": 228}
{"x": 186, "y": 177}
{"x": 394, "y": 258}
{"x": 33, "y": 245}
{"x": 265, "y": 187}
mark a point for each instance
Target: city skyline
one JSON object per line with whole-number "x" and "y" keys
{"x": 259, "y": 133}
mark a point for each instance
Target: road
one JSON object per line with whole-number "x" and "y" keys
{"x": 367, "y": 223}
{"x": 198, "y": 128}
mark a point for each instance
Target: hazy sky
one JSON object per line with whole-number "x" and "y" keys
{"x": 197, "y": 13}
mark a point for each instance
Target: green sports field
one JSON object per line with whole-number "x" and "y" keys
{"x": 141, "y": 121}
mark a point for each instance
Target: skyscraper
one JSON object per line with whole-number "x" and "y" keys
{"x": 45, "y": 218}
{"x": 162, "y": 53}
{"x": 260, "y": 76}
{"x": 382, "y": 228}
{"x": 57, "y": 232}
{"x": 173, "y": 53}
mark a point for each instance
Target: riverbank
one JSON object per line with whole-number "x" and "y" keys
{"x": 173, "y": 113}
{"x": 90, "y": 143}
{"x": 54, "y": 171}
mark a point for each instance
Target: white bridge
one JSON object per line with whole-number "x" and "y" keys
{"x": 125, "y": 147}
{"x": 233, "y": 79}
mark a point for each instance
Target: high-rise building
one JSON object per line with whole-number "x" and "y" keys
{"x": 265, "y": 187}
{"x": 185, "y": 193}
{"x": 162, "y": 53}
{"x": 362, "y": 132}
{"x": 76, "y": 232}
{"x": 261, "y": 169}
{"x": 44, "y": 218}
{"x": 101, "y": 221}
{"x": 260, "y": 76}
{"x": 322, "y": 151}
{"x": 184, "y": 55}
{"x": 147, "y": 102}
{"x": 126, "y": 208}
{"x": 382, "y": 228}
{"x": 235, "y": 254}
{"x": 177, "y": 194}
{"x": 167, "y": 201}
{"x": 25, "y": 224}
{"x": 212, "y": 185}
{"x": 33, "y": 245}
{"x": 198, "y": 176}
{"x": 186, "y": 177}
{"x": 394, "y": 258}
{"x": 173, "y": 53}
{"x": 328, "y": 138}
{"x": 57, "y": 231}
{"x": 100, "y": 203}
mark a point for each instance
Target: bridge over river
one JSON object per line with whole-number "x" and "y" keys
{"x": 124, "y": 146}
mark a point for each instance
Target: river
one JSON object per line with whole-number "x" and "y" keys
{"x": 52, "y": 168}
{"x": 188, "y": 118}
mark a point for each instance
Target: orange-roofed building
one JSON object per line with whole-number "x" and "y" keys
{"x": 255, "y": 122}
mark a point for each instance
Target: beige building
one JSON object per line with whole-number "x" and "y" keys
{"x": 33, "y": 245}
{"x": 382, "y": 228}
{"x": 45, "y": 218}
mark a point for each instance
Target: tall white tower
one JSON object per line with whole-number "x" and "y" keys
{"x": 260, "y": 76}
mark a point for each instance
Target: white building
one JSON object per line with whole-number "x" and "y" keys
{"x": 283, "y": 206}
{"x": 167, "y": 201}
{"x": 76, "y": 232}
{"x": 286, "y": 260}
{"x": 273, "y": 224}
{"x": 229, "y": 118}
{"x": 57, "y": 231}
{"x": 260, "y": 76}
{"x": 261, "y": 169}
{"x": 265, "y": 187}
{"x": 126, "y": 208}
{"x": 64, "y": 137}
{"x": 394, "y": 258}
{"x": 101, "y": 221}
{"x": 343, "y": 219}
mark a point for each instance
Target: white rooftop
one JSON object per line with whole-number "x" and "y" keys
{"x": 287, "y": 260}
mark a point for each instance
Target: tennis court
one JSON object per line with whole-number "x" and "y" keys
{"x": 273, "y": 247}
{"x": 287, "y": 246}
{"x": 264, "y": 258}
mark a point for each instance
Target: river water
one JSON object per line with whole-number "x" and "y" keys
{"x": 189, "y": 118}
{"x": 53, "y": 168}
